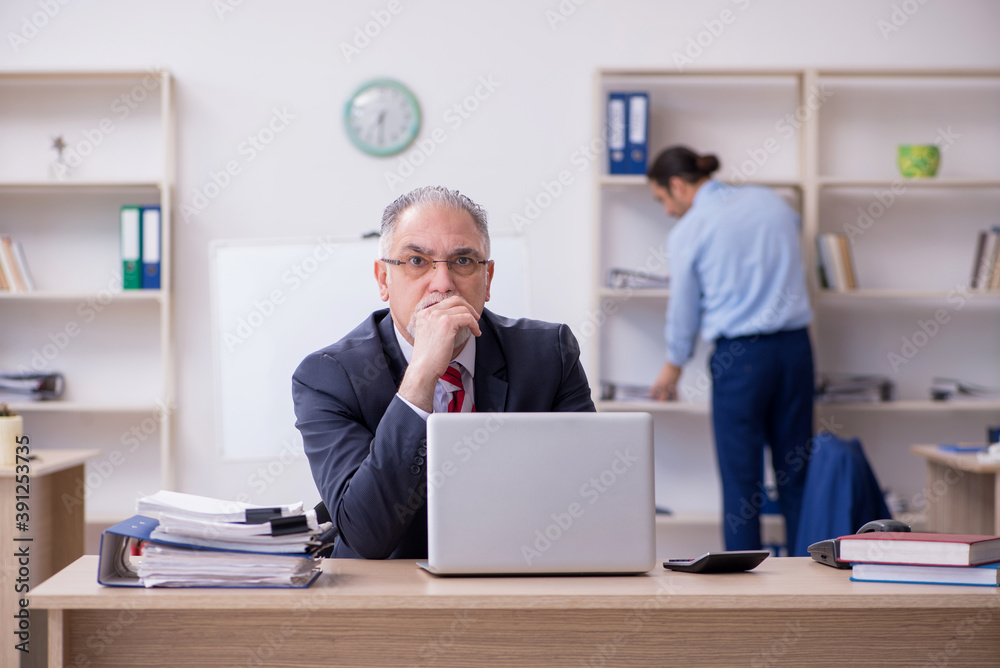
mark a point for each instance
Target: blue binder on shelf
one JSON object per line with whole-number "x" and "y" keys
{"x": 151, "y": 247}
{"x": 617, "y": 133}
{"x": 637, "y": 135}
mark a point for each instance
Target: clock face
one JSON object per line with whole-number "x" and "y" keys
{"x": 382, "y": 117}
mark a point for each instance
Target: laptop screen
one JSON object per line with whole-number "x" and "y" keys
{"x": 540, "y": 492}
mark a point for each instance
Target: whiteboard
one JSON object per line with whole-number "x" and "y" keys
{"x": 276, "y": 301}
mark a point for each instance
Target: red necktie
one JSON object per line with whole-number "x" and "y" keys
{"x": 453, "y": 376}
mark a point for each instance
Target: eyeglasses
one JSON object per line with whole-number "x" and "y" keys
{"x": 415, "y": 266}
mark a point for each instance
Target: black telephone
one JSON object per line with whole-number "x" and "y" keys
{"x": 828, "y": 551}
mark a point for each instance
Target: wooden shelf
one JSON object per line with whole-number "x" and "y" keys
{"x": 154, "y": 296}
{"x": 26, "y": 407}
{"x": 911, "y": 74}
{"x": 832, "y": 296}
{"x": 902, "y": 406}
{"x": 657, "y": 294}
{"x": 640, "y": 180}
{"x": 653, "y": 407}
{"x": 81, "y": 186}
{"x": 64, "y": 76}
{"x": 848, "y": 182}
{"x": 911, "y": 406}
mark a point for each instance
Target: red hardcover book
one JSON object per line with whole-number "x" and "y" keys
{"x": 931, "y": 549}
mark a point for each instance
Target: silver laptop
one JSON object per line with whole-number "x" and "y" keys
{"x": 540, "y": 493}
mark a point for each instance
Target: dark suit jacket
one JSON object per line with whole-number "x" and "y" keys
{"x": 366, "y": 446}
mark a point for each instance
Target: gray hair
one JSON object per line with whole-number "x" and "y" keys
{"x": 430, "y": 195}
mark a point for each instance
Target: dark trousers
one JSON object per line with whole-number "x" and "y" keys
{"x": 762, "y": 395}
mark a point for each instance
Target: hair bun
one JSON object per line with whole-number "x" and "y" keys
{"x": 707, "y": 164}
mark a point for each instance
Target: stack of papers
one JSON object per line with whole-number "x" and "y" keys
{"x": 630, "y": 278}
{"x": 848, "y": 388}
{"x": 207, "y": 508}
{"x": 951, "y": 389}
{"x": 625, "y": 392}
{"x": 204, "y": 542}
{"x": 172, "y": 566}
{"x": 31, "y": 386}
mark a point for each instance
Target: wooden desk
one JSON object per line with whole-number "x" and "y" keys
{"x": 55, "y": 530}
{"x": 963, "y": 494}
{"x": 789, "y": 611}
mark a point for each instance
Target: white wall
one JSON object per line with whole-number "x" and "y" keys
{"x": 234, "y": 68}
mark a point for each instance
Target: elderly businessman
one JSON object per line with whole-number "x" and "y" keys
{"x": 362, "y": 403}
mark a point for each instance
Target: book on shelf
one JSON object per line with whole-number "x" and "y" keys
{"x": 848, "y": 260}
{"x": 15, "y": 275}
{"x": 831, "y": 387}
{"x": 188, "y": 545}
{"x": 993, "y": 271}
{"x": 630, "y": 278}
{"x": 985, "y": 267}
{"x": 836, "y": 264}
{"x": 977, "y": 260}
{"x": 987, "y": 575}
{"x": 923, "y": 549}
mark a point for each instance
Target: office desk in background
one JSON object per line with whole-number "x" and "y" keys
{"x": 963, "y": 494}
{"x": 55, "y": 528}
{"x": 789, "y": 611}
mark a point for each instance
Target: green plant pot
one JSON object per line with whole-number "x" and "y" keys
{"x": 918, "y": 161}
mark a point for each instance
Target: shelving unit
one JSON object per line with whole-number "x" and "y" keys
{"x": 114, "y": 347}
{"x": 826, "y": 141}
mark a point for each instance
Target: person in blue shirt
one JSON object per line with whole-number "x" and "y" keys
{"x": 737, "y": 279}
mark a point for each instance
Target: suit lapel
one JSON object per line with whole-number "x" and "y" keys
{"x": 390, "y": 347}
{"x": 491, "y": 369}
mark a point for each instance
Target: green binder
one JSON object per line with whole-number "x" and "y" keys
{"x": 131, "y": 247}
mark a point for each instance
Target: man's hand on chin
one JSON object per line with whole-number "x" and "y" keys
{"x": 439, "y": 329}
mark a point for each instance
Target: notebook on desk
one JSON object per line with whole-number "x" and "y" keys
{"x": 533, "y": 493}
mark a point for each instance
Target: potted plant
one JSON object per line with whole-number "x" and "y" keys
{"x": 11, "y": 429}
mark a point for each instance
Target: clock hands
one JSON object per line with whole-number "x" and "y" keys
{"x": 380, "y": 124}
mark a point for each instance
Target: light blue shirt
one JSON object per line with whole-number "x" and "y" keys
{"x": 736, "y": 268}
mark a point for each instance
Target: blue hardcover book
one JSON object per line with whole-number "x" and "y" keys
{"x": 637, "y": 142}
{"x": 617, "y": 132}
{"x": 959, "y": 448}
{"x": 984, "y": 575}
{"x": 116, "y": 568}
{"x": 151, "y": 246}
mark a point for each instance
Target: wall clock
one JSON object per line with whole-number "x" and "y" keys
{"x": 382, "y": 117}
